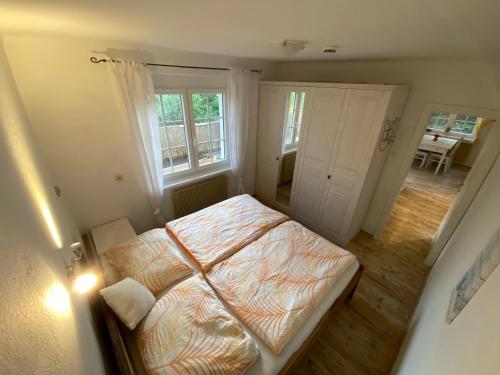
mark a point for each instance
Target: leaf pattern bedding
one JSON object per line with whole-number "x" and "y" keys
{"x": 275, "y": 283}
{"x": 189, "y": 331}
{"x": 151, "y": 258}
{"x": 218, "y": 231}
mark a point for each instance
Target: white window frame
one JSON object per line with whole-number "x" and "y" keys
{"x": 451, "y": 119}
{"x": 197, "y": 171}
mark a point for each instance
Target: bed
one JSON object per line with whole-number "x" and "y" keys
{"x": 327, "y": 276}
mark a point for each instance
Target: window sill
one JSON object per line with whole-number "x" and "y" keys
{"x": 174, "y": 182}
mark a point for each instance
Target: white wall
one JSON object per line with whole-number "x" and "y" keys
{"x": 35, "y": 233}
{"x": 469, "y": 83}
{"x": 467, "y": 153}
{"x": 74, "y": 113}
{"x": 470, "y": 344}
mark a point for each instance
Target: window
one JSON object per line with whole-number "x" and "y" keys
{"x": 209, "y": 124}
{"x": 192, "y": 130}
{"x": 294, "y": 119}
{"x": 173, "y": 133}
{"x": 454, "y": 124}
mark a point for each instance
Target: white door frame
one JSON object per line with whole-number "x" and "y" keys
{"x": 472, "y": 184}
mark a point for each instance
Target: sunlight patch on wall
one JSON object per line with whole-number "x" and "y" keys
{"x": 14, "y": 126}
{"x": 25, "y": 161}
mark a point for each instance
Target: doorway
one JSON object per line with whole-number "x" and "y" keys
{"x": 447, "y": 168}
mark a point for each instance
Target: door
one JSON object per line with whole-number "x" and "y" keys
{"x": 322, "y": 108}
{"x": 361, "y": 119}
{"x": 271, "y": 115}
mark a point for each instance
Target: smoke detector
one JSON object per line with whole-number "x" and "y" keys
{"x": 292, "y": 47}
{"x": 329, "y": 49}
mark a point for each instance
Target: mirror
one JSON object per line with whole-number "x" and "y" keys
{"x": 289, "y": 145}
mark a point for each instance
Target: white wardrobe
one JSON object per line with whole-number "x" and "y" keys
{"x": 345, "y": 134}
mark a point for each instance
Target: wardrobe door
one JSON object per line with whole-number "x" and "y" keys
{"x": 323, "y": 110}
{"x": 271, "y": 117}
{"x": 361, "y": 119}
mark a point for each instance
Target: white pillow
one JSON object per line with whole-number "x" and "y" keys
{"x": 130, "y": 300}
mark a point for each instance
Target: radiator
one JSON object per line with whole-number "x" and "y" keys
{"x": 194, "y": 197}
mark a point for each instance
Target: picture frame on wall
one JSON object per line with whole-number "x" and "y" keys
{"x": 475, "y": 277}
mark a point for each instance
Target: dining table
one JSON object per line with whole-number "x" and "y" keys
{"x": 439, "y": 145}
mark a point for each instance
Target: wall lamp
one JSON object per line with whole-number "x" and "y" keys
{"x": 83, "y": 278}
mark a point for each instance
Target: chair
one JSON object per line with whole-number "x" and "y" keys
{"x": 423, "y": 156}
{"x": 448, "y": 159}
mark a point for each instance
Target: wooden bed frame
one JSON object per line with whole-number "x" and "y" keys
{"x": 123, "y": 359}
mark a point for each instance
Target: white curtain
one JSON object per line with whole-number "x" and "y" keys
{"x": 242, "y": 107}
{"x": 135, "y": 91}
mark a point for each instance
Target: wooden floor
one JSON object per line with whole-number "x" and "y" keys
{"x": 365, "y": 334}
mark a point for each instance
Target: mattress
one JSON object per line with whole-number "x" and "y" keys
{"x": 189, "y": 331}
{"x": 275, "y": 283}
{"x": 113, "y": 233}
{"x": 269, "y": 363}
{"x": 218, "y": 231}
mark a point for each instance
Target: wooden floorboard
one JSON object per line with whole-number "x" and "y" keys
{"x": 366, "y": 333}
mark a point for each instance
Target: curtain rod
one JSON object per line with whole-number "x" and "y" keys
{"x": 95, "y": 60}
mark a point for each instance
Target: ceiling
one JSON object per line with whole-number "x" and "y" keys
{"x": 361, "y": 29}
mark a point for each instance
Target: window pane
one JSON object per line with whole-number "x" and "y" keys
{"x": 204, "y": 152}
{"x": 288, "y": 135}
{"x": 463, "y": 127}
{"x": 208, "y": 110}
{"x": 438, "y": 121}
{"x": 176, "y": 135}
{"x": 432, "y": 122}
{"x": 218, "y": 151}
{"x": 217, "y": 129}
{"x": 441, "y": 123}
{"x": 172, "y": 106}
{"x": 163, "y": 137}
{"x": 294, "y": 118}
{"x": 461, "y": 124}
{"x": 165, "y": 155}
{"x": 464, "y": 124}
{"x": 159, "y": 110}
{"x": 211, "y": 152}
{"x": 173, "y": 132}
{"x": 200, "y": 105}
{"x": 202, "y": 132}
{"x": 180, "y": 158}
{"x": 215, "y": 105}
{"x": 292, "y": 102}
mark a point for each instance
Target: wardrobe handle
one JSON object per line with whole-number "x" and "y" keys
{"x": 277, "y": 158}
{"x": 329, "y": 176}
